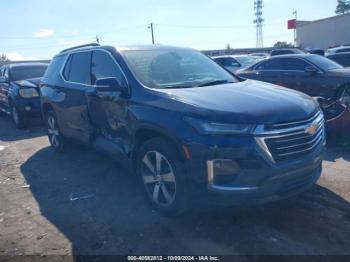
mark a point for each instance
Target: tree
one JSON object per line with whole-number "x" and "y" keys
{"x": 343, "y": 7}
{"x": 280, "y": 44}
{"x": 3, "y": 58}
{"x": 228, "y": 47}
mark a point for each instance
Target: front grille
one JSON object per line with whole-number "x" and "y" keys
{"x": 290, "y": 141}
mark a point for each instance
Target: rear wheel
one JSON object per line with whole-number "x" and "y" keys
{"x": 17, "y": 118}
{"x": 56, "y": 139}
{"x": 163, "y": 176}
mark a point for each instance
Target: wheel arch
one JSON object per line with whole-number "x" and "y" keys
{"x": 339, "y": 90}
{"x": 146, "y": 132}
{"x": 46, "y": 107}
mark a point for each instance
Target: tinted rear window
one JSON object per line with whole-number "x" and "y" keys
{"x": 27, "y": 72}
{"x": 286, "y": 52}
{"x": 324, "y": 63}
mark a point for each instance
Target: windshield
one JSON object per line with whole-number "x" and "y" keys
{"x": 324, "y": 63}
{"x": 246, "y": 60}
{"x": 27, "y": 72}
{"x": 176, "y": 69}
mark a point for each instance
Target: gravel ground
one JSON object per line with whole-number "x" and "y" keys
{"x": 82, "y": 203}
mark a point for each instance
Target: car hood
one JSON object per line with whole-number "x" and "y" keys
{"x": 245, "y": 102}
{"x": 29, "y": 83}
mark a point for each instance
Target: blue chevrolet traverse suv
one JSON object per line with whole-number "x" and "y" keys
{"x": 190, "y": 129}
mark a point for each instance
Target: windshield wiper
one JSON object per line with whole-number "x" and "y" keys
{"x": 216, "y": 82}
{"x": 173, "y": 87}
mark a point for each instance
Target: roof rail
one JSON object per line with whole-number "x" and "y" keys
{"x": 79, "y": 46}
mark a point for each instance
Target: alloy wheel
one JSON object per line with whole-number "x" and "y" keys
{"x": 158, "y": 178}
{"x": 53, "y": 131}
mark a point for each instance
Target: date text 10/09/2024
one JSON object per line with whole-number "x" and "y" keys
{"x": 173, "y": 258}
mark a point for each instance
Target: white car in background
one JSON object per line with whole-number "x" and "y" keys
{"x": 337, "y": 50}
{"x": 236, "y": 62}
{"x": 260, "y": 56}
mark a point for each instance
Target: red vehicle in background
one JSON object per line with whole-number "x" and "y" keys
{"x": 337, "y": 115}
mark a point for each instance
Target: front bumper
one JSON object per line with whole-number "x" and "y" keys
{"x": 258, "y": 181}
{"x": 28, "y": 106}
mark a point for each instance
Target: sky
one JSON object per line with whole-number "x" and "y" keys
{"x": 37, "y": 29}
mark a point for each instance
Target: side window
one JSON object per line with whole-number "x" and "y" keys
{"x": 6, "y": 73}
{"x": 272, "y": 64}
{"x": 230, "y": 62}
{"x": 80, "y": 68}
{"x": 295, "y": 64}
{"x": 66, "y": 70}
{"x": 219, "y": 61}
{"x": 343, "y": 60}
{"x": 103, "y": 66}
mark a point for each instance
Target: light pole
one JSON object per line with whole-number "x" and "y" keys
{"x": 151, "y": 27}
{"x": 295, "y": 13}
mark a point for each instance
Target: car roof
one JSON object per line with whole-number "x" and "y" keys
{"x": 339, "y": 54}
{"x": 286, "y": 49}
{"x": 339, "y": 48}
{"x": 123, "y": 48}
{"x": 150, "y": 47}
{"x": 29, "y": 64}
{"x": 293, "y": 56}
{"x": 226, "y": 56}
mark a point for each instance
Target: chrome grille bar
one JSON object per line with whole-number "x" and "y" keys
{"x": 298, "y": 122}
{"x": 319, "y": 134}
{"x": 305, "y": 150}
{"x": 294, "y": 141}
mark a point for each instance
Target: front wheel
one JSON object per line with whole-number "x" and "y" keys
{"x": 56, "y": 139}
{"x": 17, "y": 118}
{"x": 163, "y": 176}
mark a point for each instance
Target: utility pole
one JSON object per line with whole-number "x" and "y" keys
{"x": 295, "y": 13}
{"x": 151, "y": 27}
{"x": 258, "y": 6}
{"x": 97, "y": 39}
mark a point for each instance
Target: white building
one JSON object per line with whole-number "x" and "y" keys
{"x": 324, "y": 33}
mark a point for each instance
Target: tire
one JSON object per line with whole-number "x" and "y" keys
{"x": 18, "y": 119}
{"x": 56, "y": 139}
{"x": 165, "y": 183}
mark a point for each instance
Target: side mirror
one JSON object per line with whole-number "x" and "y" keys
{"x": 3, "y": 80}
{"x": 109, "y": 84}
{"x": 311, "y": 70}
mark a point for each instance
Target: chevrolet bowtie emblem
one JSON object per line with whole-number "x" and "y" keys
{"x": 312, "y": 129}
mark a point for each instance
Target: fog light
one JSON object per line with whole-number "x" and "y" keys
{"x": 222, "y": 170}
{"x": 28, "y": 108}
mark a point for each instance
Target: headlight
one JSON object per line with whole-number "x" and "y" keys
{"x": 212, "y": 128}
{"x": 28, "y": 93}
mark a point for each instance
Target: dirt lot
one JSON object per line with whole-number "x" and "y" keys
{"x": 84, "y": 203}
